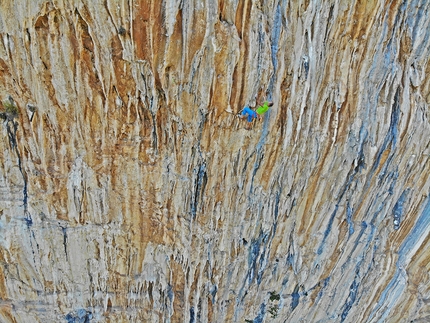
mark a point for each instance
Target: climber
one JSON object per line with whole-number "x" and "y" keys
{"x": 264, "y": 107}
{"x": 247, "y": 111}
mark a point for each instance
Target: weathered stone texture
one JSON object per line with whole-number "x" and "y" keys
{"x": 129, "y": 192}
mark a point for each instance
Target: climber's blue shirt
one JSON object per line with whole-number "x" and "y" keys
{"x": 251, "y": 113}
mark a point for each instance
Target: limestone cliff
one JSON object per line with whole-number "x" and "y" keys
{"x": 130, "y": 192}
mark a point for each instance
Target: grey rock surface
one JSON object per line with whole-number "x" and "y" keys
{"x": 131, "y": 192}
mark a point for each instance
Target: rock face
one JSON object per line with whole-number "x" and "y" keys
{"x": 130, "y": 192}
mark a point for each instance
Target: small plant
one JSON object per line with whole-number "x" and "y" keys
{"x": 274, "y": 296}
{"x": 121, "y": 30}
{"x": 273, "y": 310}
{"x": 274, "y": 307}
{"x": 10, "y": 109}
